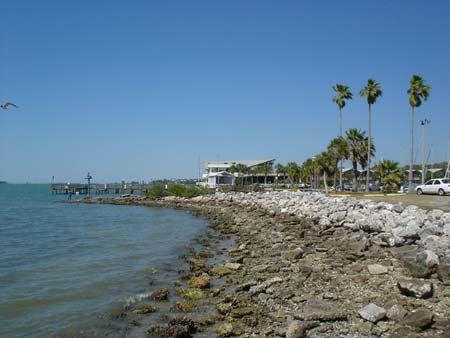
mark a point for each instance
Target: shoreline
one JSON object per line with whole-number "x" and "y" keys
{"x": 302, "y": 276}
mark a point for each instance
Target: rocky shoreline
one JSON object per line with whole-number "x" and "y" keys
{"x": 307, "y": 265}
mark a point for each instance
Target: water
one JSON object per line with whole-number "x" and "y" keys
{"x": 66, "y": 267}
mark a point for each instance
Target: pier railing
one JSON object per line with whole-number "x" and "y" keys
{"x": 98, "y": 189}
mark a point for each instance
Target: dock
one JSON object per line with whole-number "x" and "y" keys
{"x": 99, "y": 189}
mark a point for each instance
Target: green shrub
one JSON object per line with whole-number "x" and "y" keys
{"x": 156, "y": 190}
{"x": 185, "y": 191}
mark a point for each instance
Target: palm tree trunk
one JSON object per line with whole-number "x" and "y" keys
{"x": 335, "y": 174}
{"x": 325, "y": 182}
{"x": 368, "y": 151}
{"x": 411, "y": 154}
{"x": 355, "y": 169}
{"x": 340, "y": 135}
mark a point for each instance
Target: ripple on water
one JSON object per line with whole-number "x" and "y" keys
{"x": 64, "y": 266}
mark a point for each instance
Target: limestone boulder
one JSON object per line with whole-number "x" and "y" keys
{"x": 417, "y": 288}
{"x": 372, "y": 312}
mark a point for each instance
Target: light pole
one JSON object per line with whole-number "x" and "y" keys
{"x": 424, "y": 123}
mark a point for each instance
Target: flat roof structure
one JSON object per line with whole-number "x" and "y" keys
{"x": 227, "y": 164}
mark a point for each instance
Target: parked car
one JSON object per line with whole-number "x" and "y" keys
{"x": 404, "y": 187}
{"x": 348, "y": 187}
{"x": 439, "y": 186}
{"x": 372, "y": 187}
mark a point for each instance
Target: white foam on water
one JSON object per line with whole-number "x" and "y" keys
{"x": 137, "y": 298}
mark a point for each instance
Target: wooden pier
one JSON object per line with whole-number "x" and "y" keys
{"x": 99, "y": 189}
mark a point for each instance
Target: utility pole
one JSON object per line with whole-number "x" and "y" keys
{"x": 424, "y": 123}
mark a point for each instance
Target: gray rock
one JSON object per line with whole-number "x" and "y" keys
{"x": 441, "y": 323}
{"x": 409, "y": 231}
{"x": 297, "y": 328}
{"x": 372, "y": 312}
{"x": 317, "y": 309}
{"x": 415, "y": 288}
{"x": 293, "y": 255}
{"x": 324, "y": 222}
{"x": 264, "y": 285}
{"x": 421, "y": 318}
{"x": 232, "y": 266}
{"x": 374, "y": 223}
{"x": 430, "y": 259}
{"x": 377, "y": 269}
{"x": 435, "y": 214}
{"x": 396, "y": 313}
{"x": 404, "y": 332}
{"x": 338, "y": 216}
{"x": 389, "y": 240}
{"x": 436, "y": 243}
{"x": 443, "y": 270}
{"x": 420, "y": 264}
{"x": 398, "y": 208}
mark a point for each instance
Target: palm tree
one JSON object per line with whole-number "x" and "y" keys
{"x": 280, "y": 170}
{"x": 343, "y": 93}
{"x": 364, "y": 156}
{"x": 292, "y": 171}
{"x": 356, "y": 148}
{"x": 389, "y": 174}
{"x": 238, "y": 168}
{"x": 264, "y": 169}
{"x": 339, "y": 148}
{"x": 306, "y": 171}
{"x": 326, "y": 165}
{"x": 417, "y": 91}
{"x": 372, "y": 91}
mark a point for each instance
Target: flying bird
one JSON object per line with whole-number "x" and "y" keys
{"x": 7, "y": 104}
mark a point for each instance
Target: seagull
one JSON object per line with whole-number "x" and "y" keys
{"x": 7, "y": 104}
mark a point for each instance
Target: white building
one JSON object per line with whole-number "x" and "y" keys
{"x": 216, "y": 173}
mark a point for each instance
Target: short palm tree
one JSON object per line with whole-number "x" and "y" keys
{"x": 372, "y": 91}
{"x": 292, "y": 170}
{"x": 280, "y": 170}
{"x": 364, "y": 156}
{"x": 339, "y": 148}
{"x": 356, "y": 149}
{"x": 326, "y": 165}
{"x": 389, "y": 174}
{"x": 306, "y": 171}
{"x": 239, "y": 169}
{"x": 343, "y": 93}
{"x": 417, "y": 91}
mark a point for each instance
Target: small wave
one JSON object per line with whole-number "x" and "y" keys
{"x": 150, "y": 271}
{"x": 137, "y": 298}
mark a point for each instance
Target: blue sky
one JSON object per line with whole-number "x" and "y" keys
{"x": 142, "y": 89}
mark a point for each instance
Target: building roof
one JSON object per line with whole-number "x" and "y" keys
{"x": 221, "y": 174}
{"x": 227, "y": 164}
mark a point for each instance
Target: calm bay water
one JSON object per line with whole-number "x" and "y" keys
{"x": 64, "y": 267}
